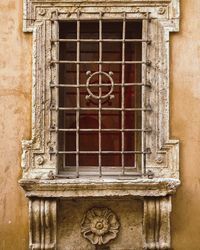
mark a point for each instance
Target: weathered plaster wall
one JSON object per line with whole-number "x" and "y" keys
{"x": 15, "y": 113}
{"x": 185, "y": 125}
{"x": 15, "y": 100}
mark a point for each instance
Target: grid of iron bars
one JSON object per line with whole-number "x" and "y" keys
{"x": 101, "y": 90}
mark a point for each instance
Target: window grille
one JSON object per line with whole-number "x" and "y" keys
{"x": 101, "y": 83}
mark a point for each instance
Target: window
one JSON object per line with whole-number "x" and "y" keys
{"x": 100, "y": 109}
{"x": 101, "y": 91}
{"x": 101, "y": 69}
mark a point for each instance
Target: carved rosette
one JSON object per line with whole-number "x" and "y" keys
{"x": 100, "y": 225}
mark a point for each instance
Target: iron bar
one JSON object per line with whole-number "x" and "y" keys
{"x": 96, "y": 62}
{"x": 101, "y": 130}
{"x": 144, "y": 79}
{"x": 78, "y": 95}
{"x": 102, "y": 109}
{"x": 122, "y": 91}
{"x": 57, "y": 90}
{"x": 99, "y": 40}
{"x": 102, "y": 152}
{"x": 96, "y": 85}
{"x": 121, "y": 105}
{"x": 100, "y": 90}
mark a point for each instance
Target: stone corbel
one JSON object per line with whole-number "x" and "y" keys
{"x": 156, "y": 224}
{"x": 42, "y": 214}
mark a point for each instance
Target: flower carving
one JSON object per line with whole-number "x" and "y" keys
{"x": 100, "y": 225}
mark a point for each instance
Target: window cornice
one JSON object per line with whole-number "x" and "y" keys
{"x": 35, "y": 8}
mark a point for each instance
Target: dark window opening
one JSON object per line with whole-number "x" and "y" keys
{"x": 100, "y": 96}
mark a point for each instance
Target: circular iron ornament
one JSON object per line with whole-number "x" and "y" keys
{"x": 100, "y": 96}
{"x": 100, "y": 225}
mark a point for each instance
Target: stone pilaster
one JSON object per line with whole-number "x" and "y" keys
{"x": 42, "y": 214}
{"x": 156, "y": 224}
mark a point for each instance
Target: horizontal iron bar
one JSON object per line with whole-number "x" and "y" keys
{"x": 103, "y": 109}
{"x": 102, "y": 130}
{"x": 97, "y": 85}
{"x": 99, "y": 152}
{"x": 71, "y": 175}
{"x": 100, "y": 40}
{"x": 97, "y": 62}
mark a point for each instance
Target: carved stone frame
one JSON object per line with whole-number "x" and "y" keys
{"x": 39, "y": 166}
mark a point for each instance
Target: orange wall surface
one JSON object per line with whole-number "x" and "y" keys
{"x": 185, "y": 125}
{"x": 15, "y": 124}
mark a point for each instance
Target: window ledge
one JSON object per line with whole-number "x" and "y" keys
{"x": 71, "y": 188}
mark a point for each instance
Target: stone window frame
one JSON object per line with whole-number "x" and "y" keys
{"x": 164, "y": 160}
{"x": 39, "y": 179}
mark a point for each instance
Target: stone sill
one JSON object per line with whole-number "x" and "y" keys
{"x": 72, "y": 188}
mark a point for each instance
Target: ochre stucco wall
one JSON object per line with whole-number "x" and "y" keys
{"x": 15, "y": 124}
{"x": 185, "y": 125}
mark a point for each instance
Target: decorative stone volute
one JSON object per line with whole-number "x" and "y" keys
{"x": 100, "y": 225}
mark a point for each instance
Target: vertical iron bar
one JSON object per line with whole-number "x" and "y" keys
{"x": 135, "y": 105}
{"x": 78, "y": 92}
{"x": 144, "y": 80}
{"x": 123, "y": 92}
{"x": 51, "y": 90}
{"x": 57, "y": 91}
{"x": 100, "y": 90}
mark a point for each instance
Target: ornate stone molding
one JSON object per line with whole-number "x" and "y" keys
{"x": 100, "y": 225}
{"x": 40, "y": 180}
{"x": 37, "y": 162}
{"x": 157, "y": 223}
{"x": 42, "y": 214}
{"x": 102, "y": 188}
{"x": 39, "y": 8}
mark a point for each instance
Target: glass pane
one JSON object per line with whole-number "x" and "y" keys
{"x": 67, "y": 30}
{"x": 68, "y": 97}
{"x": 68, "y": 51}
{"x": 89, "y": 30}
{"x": 111, "y": 160}
{"x": 67, "y": 119}
{"x": 111, "y": 141}
{"x": 133, "y": 51}
{"x": 116, "y": 69}
{"x": 67, "y": 74}
{"x": 112, "y": 29}
{"x": 70, "y": 160}
{"x": 88, "y": 119}
{"x": 134, "y": 29}
{"x": 112, "y": 51}
{"x": 88, "y": 160}
{"x": 132, "y": 120}
{"x": 111, "y": 119}
{"x": 88, "y": 141}
{"x": 133, "y": 97}
{"x": 89, "y": 51}
{"x": 133, "y": 73}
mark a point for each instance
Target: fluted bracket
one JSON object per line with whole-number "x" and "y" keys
{"x": 156, "y": 224}
{"x": 42, "y": 214}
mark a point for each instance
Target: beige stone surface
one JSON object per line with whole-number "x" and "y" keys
{"x": 71, "y": 213}
{"x": 15, "y": 113}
